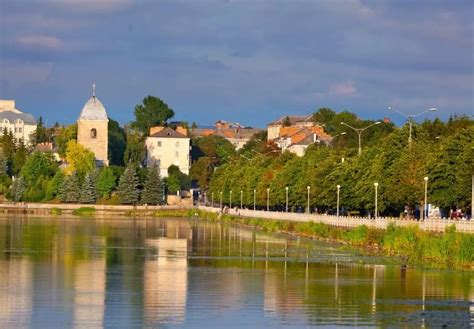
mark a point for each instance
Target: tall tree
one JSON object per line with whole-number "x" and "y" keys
{"x": 153, "y": 112}
{"x": 38, "y": 164}
{"x": 70, "y": 189}
{"x": 127, "y": 190}
{"x": 135, "y": 148}
{"x": 79, "y": 159}
{"x": 106, "y": 182}
{"x": 87, "y": 194}
{"x": 117, "y": 143}
{"x": 41, "y": 134}
{"x": 153, "y": 187}
{"x": 62, "y": 137}
{"x": 19, "y": 157}
{"x": 17, "y": 189}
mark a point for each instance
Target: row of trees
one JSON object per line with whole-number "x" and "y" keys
{"x": 442, "y": 151}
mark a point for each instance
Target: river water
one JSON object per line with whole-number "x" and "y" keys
{"x": 168, "y": 273}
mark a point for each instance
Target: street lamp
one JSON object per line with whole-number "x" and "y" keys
{"x": 425, "y": 206}
{"x": 376, "y": 185}
{"x": 268, "y": 199}
{"x": 212, "y": 199}
{"x": 337, "y": 205}
{"x": 205, "y": 199}
{"x": 241, "y": 199}
{"x": 410, "y": 118}
{"x": 220, "y": 203}
{"x": 309, "y": 189}
{"x": 254, "y": 199}
{"x": 230, "y": 199}
{"x": 286, "y": 189}
{"x": 359, "y": 132}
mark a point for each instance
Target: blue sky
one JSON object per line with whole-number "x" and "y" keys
{"x": 245, "y": 61}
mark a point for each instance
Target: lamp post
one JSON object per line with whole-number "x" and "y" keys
{"x": 286, "y": 189}
{"x": 254, "y": 199}
{"x": 230, "y": 199}
{"x": 376, "y": 185}
{"x": 337, "y": 205}
{"x": 410, "y": 119}
{"x": 359, "y": 132}
{"x": 425, "y": 206}
{"x": 205, "y": 199}
{"x": 220, "y": 203}
{"x": 309, "y": 189}
{"x": 212, "y": 199}
{"x": 241, "y": 199}
{"x": 268, "y": 199}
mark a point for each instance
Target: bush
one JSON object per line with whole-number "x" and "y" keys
{"x": 84, "y": 211}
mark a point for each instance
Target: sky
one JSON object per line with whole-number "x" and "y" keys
{"x": 240, "y": 61}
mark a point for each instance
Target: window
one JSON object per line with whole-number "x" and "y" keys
{"x": 176, "y": 154}
{"x": 159, "y": 143}
{"x": 93, "y": 133}
{"x": 19, "y": 129}
{"x": 177, "y": 144}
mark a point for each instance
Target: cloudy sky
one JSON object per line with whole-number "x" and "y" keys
{"x": 246, "y": 61}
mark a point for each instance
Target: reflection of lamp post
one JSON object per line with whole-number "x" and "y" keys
{"x": 254, "y": 199}
{"x": 309, "y": 189}
{"x": 286, "y": 189}
{"x": 425, "y": 206}
{"x": 268, "y": 199}
{"x": 359, "y": 132}
{"x": 410, "y": 118}
{"x": 220, "y": 203}
{"x": 337, "y": 205}
{"x": 241, "y": 199}
{"x": 376, "y": 185}
{"x": 230, "y": 199}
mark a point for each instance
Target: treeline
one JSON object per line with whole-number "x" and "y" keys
{"x": 441, "y": 151}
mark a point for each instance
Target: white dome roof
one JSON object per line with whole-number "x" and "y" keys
{"x": 93, "y": 110}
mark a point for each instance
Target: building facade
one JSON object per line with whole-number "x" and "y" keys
{"x": 92, "y": 129}
{"x": 22, "y": 125}
{"x": 166, "y": 147}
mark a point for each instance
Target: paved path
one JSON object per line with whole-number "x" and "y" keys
{"x": 436, "y": 225}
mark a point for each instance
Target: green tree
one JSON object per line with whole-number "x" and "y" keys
{"x": 153, "y": 112}
{"x": 70, "y": 189}
{"x": 41, "y": 134}
{"x": 87, "y": 193}
{"x": 38, "y": 164}
{"x": 201, "y": 171}
{"x": 287, "y": 122}
{"x": 54, "y": 186}
{"x": 17, "y": 189}
{"x": 153, "y": 187}
{"x": 117, "y": 143}
{"x": 79, "y": 159}
{"x": 128, "y": 191}
{"x": 62, "y": 137}
{"x": 106, "y": 182}
{"x": 184, "y": 182}
{"x": 19, "y": 157}
{"x": 135, "y": 148}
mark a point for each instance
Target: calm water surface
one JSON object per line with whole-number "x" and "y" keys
{"x": 165, "y": 273}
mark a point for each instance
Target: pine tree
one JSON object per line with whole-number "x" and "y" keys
{"x": 70, "y": 189}
{"x": 153, "y": 189}
{"x": 127, "y": 190}
{"x": 17, "y": 189}
{"x": 87, "y": 193}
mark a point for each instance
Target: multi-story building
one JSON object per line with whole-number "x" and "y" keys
{"x": 22, "y": 125}
{"x": 273, "y": 128}
{"x": 166, "y": 146}
{"x": 233, "y": 132}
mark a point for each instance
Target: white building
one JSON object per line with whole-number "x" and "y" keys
{"x": 22, "y": 125}
{"x": 167, "y": 147}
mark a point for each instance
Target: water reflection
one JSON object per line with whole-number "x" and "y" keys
{"x": 87, "y": 273}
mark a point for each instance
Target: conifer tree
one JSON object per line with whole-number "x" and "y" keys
{"x": 87, "y": 193}
{"x": 17, "y": 189}
{"x": 127, "y": 190}
{"x": 153, "y": 187}
{"x": 70, "y": 189}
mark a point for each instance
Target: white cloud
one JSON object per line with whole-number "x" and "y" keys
{"x": 93, "y": 5}
{"x": 41, "y": 41}
{"x": 344, "y": 89}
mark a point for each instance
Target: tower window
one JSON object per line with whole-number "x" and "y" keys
{"x": 93, "y": 133}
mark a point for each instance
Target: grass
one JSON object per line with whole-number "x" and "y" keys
{"x": 84, "y": 211}
{"x": 451, "y": 249}
{"x": 56, "y": 211}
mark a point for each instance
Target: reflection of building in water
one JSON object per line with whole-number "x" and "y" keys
{"x": 165, "y": 281}
{"x": 89, "y": 293}
{"x": 15, "y": 293}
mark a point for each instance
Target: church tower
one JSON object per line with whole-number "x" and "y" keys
{"x": 92, "y": 129}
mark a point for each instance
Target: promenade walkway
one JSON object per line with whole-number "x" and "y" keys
{"x": 435, "y": 225}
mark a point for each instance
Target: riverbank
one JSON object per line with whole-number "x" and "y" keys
{"x": 449, "y": 250}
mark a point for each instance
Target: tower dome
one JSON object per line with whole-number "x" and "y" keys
{"x": 94, "y": 109}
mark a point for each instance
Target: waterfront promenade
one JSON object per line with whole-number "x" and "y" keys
{"x": 436, "y": 225}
